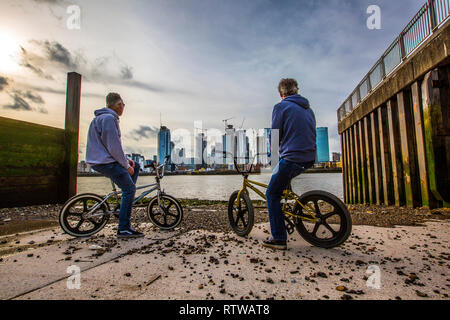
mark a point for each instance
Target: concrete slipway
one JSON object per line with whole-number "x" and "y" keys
{"x": 413, "y": 263}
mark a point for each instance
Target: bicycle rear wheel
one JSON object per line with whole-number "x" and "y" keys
{"x": 334, "y": 224}
{"x": 73, "y": 220}
{"x": 240, "y": 215}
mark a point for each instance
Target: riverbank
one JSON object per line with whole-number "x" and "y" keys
{"x": 410, "y": 263}
{"x": 212, "y": 216}
{"x": 212, "y": 173}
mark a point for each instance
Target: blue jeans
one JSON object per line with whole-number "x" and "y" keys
{"x": 127, "y": 183}
{"x": 282, "y": 175}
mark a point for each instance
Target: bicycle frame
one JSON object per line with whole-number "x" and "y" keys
{"x": 153, "y": 186}
{"x": 287, "y": 195}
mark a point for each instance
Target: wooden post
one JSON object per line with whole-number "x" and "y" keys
{"x": 357, "y": 164}
{"x": 384, "y": 155}
{"x": 344, "y": 167}
{"x": 434, "y": 130}
{"x": 420, "y": 142}
{"x": 395, "y": 150}
{"x": 375, "y": 156}
{"x": 369, "y": 165}
{"x": 402, "y": 104}
{"x": 73, "y": 99}
{"x": 350, "y": 164}
{"x": 363, "y": 162}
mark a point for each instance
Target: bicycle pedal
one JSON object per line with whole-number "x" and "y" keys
{"x": 290, "y": 229}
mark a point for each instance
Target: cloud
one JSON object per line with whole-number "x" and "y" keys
{"x": 144, "y": 132}
{"x": 54, "y": 57}
{"x": 126, "y": 73}
{"x": 49, "y": 1}
{"x": 22, "y": 99}
{"x": 4, "y": 82}
{"x": 63, "y": 91}
{"x": 29, "y": 61}
{"x": 19, "y": 104}
{"x": 56, "y": 52}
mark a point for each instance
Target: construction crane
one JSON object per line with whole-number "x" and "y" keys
{"x": 242, "y": 125}
{"x": 226, "y": 122}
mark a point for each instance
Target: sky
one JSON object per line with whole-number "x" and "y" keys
{"x": 179, "y": 61}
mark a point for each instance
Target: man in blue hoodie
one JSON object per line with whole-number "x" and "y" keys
{"x": 105, "y": 154}
{"x": 297, "y": 131}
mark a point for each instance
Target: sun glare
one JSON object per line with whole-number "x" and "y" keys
{"x": 8, "y": 52}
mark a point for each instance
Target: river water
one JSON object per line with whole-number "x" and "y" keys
{"x": 216, "y": 187}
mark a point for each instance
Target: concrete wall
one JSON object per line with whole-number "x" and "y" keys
{"x": 38, "y": 163}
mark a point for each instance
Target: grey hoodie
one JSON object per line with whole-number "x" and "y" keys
{"x": 104, "y": 145}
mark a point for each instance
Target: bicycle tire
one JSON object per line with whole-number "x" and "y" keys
{"x": 151, "y": 214}
{"x": 65, "y": 212}
{"x": 340, "y": 209}
{"x": 234, "y": 223}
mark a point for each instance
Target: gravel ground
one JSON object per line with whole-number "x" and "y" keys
{"x": 212, "y": 216}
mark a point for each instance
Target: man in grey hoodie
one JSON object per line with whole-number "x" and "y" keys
{"x": 105, "y": 154}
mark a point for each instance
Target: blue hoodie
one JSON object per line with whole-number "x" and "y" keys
{"x": 104, "y": 145}
{"x": 297, "y": 124}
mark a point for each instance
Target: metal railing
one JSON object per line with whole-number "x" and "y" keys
{"x": 429, "y": 18}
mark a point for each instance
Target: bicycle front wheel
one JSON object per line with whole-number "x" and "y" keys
{"x": 167, "y": 214}
{"x": 73, "y": 217}
{"x": 241, "y": 215}
{"x": 333, "y": 225}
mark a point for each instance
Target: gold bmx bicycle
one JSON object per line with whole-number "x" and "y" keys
{"x": 318, "y": 216}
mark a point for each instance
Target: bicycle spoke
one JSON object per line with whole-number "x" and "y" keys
{"x": 316, "y": 208}
{"x": 329, "y": 215}
{"x": 77, "y": 227}
{"x": 330, "y": 228}
{"x": 173, "y": 215}
{"x": 73, "y": 214}
{"x": 243, "y": 221}
{"x": 316, "y": 227}
{"x": 165, "y": 220}
{"x": 95, "y": 223}
{"x": 85, "y": 206}
{"x": 236, "y": 222}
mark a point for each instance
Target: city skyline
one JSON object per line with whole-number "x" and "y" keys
{"x": 163, "y": 59}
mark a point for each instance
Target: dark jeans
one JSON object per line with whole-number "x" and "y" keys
{"x": 283, "y": 173}
{"x": 127, "y": 183}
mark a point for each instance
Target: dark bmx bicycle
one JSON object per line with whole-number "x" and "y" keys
{"x": 86, "y": 214}
{"x": 319, "y": 217}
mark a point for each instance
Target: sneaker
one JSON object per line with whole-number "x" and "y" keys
{"x": 275, "y": 244}
{"x": 129, "y": 233}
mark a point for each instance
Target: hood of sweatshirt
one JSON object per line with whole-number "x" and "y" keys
{"x": 298, "y": 100}
{"x": 106, "y": 111}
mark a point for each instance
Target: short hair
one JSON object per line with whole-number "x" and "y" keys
{"x": 288, "y": 87}
{"x": 112, "y": 98}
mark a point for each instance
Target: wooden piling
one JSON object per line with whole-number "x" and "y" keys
{"x": 377, "y": 174}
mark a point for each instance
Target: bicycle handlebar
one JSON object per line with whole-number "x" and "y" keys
{"x": 154, "y": 166}
{"x": 236, "y": 165}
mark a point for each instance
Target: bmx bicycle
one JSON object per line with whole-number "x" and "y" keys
{"x": 86, "y": 214}
{"x": 321, "y": 218}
